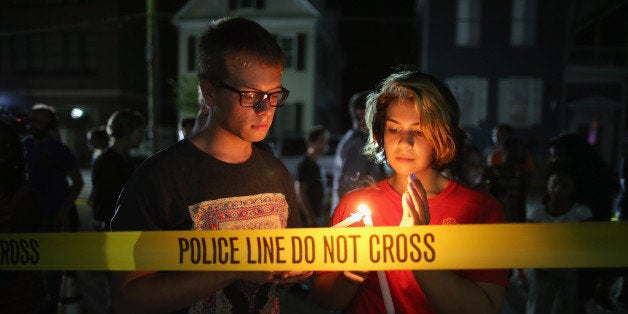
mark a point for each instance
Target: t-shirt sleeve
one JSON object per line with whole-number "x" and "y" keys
{"x": 137, "y": 206}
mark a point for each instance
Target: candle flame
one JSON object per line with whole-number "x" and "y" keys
{"x": 365, "y": 211}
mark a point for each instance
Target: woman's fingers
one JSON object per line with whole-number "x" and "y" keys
{"x": 418, "y": 196}
{"x": 408, "y": 213}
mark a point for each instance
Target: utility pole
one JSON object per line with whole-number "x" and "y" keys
{"x": 152, "y": 73}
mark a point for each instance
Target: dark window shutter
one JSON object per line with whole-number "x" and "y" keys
{"x": 298, "y": 118}
{"x": 301, "y": 51}
{"x": 191, "y": 53}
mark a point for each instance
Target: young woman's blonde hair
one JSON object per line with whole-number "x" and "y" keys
{"x": 438, "y": 110}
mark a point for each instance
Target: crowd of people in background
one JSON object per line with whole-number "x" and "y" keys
{"x": 393, "y": 152}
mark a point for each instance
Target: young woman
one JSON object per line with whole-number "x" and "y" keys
{"x": 413, "y": 125}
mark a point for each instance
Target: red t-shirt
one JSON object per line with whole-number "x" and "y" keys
{"x": 457, "y": 204}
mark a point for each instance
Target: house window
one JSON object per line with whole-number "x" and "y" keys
{"x": 523, "y": 26}
{"x": 471, "y": 93}
{"x": 468, "y": 23}
{"x": 520, "y": 101}
{"x": 246, "y": 4}
{"x": 293, "y": 46}
{"x": 54, "y": 54}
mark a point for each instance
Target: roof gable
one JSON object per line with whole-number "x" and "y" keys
{"x": 207, "y": 9}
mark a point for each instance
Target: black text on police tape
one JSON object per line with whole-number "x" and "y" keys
{"x": 19, "y": 251}
{"x": 382, "y": 248}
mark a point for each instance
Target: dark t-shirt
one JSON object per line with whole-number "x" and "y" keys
{"x": 309, "y": 172}
{"x": 170, "y": 186}
{"x": 48, "y": 165}
{"x": 183, "y": 188}
{"x": 110, "y": 172}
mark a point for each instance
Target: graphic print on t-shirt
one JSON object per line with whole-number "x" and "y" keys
{"x": 260, "y": 211}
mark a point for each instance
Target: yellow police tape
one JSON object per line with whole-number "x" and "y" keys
{"x": 569, "y": 245}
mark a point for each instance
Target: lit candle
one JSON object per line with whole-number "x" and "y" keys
{"x": 381, "y": 275}
{"x": 355, "y": 217}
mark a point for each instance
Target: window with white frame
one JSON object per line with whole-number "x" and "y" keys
{"x": 471, "y": 93}
{"x": 523, "y": 25}
{"x": 293, "y": 46}
{"x": 468, "y": 23}
{"x": 288, "y": 43}
{"x": 520, "y": 101}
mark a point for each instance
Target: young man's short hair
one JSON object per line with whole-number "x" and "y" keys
{"x": 231, "y": 37}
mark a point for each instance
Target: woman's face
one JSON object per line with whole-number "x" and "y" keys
{"x": 406, "y": 148}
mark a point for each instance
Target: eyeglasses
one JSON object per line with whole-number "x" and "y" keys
{"x": 253, "y": 99}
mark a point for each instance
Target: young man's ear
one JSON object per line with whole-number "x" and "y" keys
{"x": 207, "y": 90}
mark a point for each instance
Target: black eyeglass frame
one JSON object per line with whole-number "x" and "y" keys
{"x": 264, "y": 95}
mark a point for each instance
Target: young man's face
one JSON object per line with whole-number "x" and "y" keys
{"x": 249, "y": 124}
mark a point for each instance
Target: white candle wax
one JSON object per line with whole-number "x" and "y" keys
{"x": 355, "y": 217}
{"x": 381, "y": 275}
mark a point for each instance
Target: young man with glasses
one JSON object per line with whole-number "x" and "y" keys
{"x": 200, "y": 182}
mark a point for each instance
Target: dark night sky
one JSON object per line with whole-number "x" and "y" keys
{"x": 375, "y": 37}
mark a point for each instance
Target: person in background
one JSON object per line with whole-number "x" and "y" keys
{"x": 497, "y": 154}
{"x": 114, "y": 166}
{"x": 20, "y": 291}
{"x": 311, "y": 184}
{"x": 508, "y": 181}
{"x": 51, "y": 165}
{"x": 468, "y": 168}
{"x": 228, "y": 183}
{"x": 110, "y": 172}
{"x": 352, "y": 168}
{"x": 555, "y": 290}
{"x": 413, "y": 125}
{"x": 499, "y": 133}
{"x": 597, "y": 186}
{"x": 97, "y": 141}
{"x": 55, "y": 176}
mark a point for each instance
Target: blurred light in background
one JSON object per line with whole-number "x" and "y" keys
{"x": 76, "y": 113}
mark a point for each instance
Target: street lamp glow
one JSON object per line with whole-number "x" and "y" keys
{"x": 76, "y": 113}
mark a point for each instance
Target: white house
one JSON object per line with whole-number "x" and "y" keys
{"x": 294, "y": 23}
